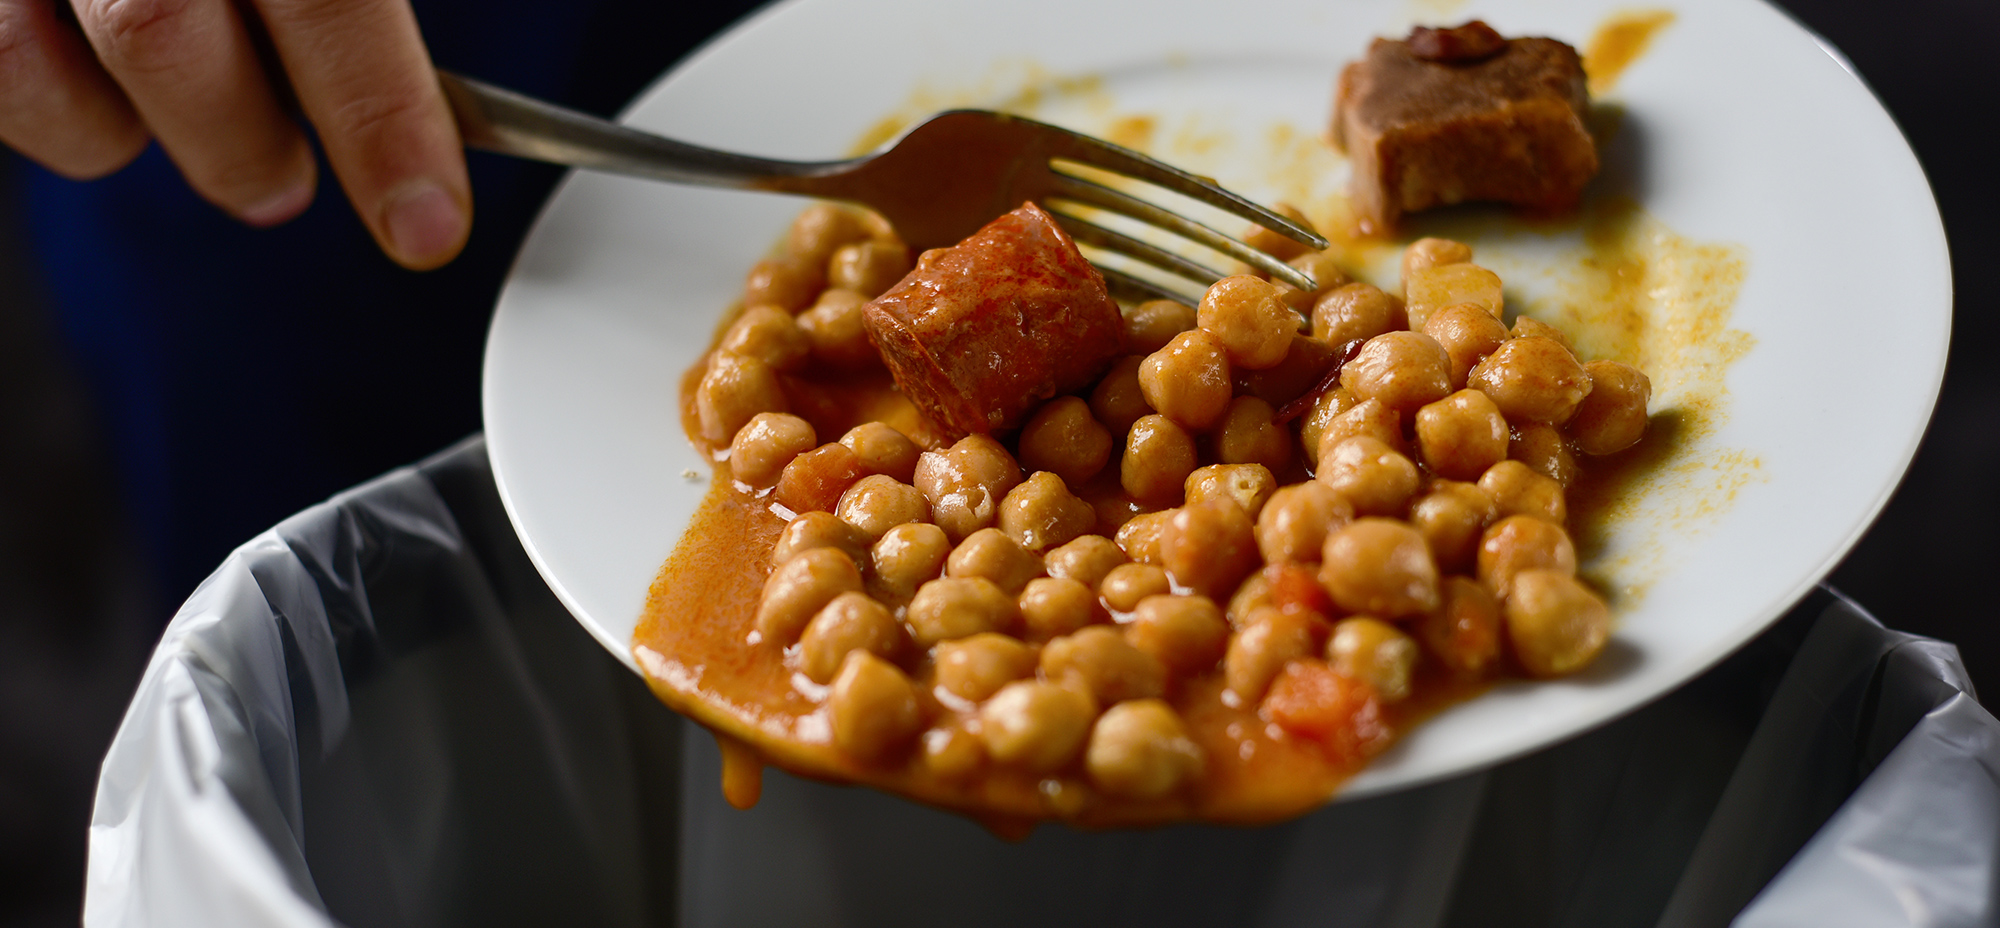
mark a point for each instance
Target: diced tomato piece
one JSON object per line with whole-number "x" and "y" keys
{"x": 1312, "y": 700}
{"x": 1296, "y": 588}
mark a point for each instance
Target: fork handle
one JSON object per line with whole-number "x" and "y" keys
{"x": 498, "y": 120}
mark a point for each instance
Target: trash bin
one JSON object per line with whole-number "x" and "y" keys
{"x": 376, "y": 713}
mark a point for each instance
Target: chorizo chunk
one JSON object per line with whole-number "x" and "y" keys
{"x": 984, "y": 331}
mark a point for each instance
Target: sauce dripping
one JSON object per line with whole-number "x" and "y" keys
{"x": 742, "y": 772}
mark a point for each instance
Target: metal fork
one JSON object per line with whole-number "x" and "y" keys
{"x": 936, "y": 185}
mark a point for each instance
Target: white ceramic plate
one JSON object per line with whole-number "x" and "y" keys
{"x": 1740, "y": 129}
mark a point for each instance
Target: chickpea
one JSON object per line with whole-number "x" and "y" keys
{"x": 768, "y": 334}
{"x": 1519, "y": 543}
{"x": 1209, "y": 547}
{"x": 883, "y": 450}
{"x": 1426, "y": 253}
{"x": 1117, "y": 401}
{"x": 1052, "y": 607}
{"x": 1041, "y": 513}
{"x": 1516, "y": 490}
{"x": 1270, "y": 637}
{"x": 1468, "y": 333}
{"x": 1276, "y": 244}
{"x": 821, "y": 229}
{"x": 1086, "y": 560}
{"x": 976, "y": 667}
{"x": 1248, "y": 435}
{"x": 1464, "y": 632}
{"x": 879, "y": 228}
{"x": 1305, "y": 363}
{"x": 1612, "y": 416}
{"x": 1293, "y": 525}
{"x": 814, "y": 481}
{"x": 852, "y": 621}
{"x": 732, "y": 392}
{"x": 1140, "y": 537}
{"x": 868, "y": 268}
{"x": 1187, "y": 381}
{"x": 1379, "y": 567}
{"x": 952, "y": 754}
{"x": 873, "y": 708}
{"x": 878, "y": 503}
{"x": 906, "y": 557}
{"x": 765, "y": 444}
{"x": 1368, "y": 419}
{"x": 1370, "y": 475}
{"x": 1099, "y": 661}
{"x": 958, "y": 607}
{"x": 1429, "y": 290}
{"x": 991, "y": 554}
{"x": 1556, "y": 624}
{"x": 834, "y": 328}
{"x": 1532, "y": 378}
{"x": 966, "y": 484}
{"x": 1129, "y": 584}
{"x": 1404, "y": 370}
{"x": 786, "y": 283}
{"x": 1141, "y": 750}
{"x": 1245, "y": 315}
{"x": 1247, "y": 485}
{"x": 1374, "y": 652}
{"x": 1036, "y": 726}
{"x": 1452, "y": 517}
{"x": 817, "y": 530}
{"x": 1062, "y": 437}
{"x": 1542, "y": 448}
{"x": 800, "y": 588}
{"x": 1525, "y": 326}
{"x": 1159, "y": 455}
{"x": 1330, "y": 406}
{"x": 1324, "y": 268}
{"x": 1149, "y": 326}
{"x": 1184, "y": 633}
{"x": 1462, "y": 435}
{"x": 1255, "y": 593}
{"x": 1356, "y": 311}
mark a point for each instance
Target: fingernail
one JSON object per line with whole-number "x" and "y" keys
{"x": 424, "y": 223}
{"x": 280, "y": 207}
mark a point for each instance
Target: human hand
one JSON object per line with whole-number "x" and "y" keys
{"x": 188, "y": 73}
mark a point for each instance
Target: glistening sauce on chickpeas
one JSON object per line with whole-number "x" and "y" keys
{"x": 1224, "y": 626}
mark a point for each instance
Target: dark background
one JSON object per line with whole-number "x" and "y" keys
{"x": 80, "y": 602}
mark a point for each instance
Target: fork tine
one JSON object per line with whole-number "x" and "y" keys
{"x": 1090, "y": 233}
{"x": 1103, "y": 154}
{"x": 1070, "y": 187}
{"x": 1134, "y": 289}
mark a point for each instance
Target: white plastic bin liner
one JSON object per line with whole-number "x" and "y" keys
{"x": 377, "y": 714}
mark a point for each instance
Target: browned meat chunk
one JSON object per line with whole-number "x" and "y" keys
{"x": 984, "y": 331}
{"x": 1449, "y": 117}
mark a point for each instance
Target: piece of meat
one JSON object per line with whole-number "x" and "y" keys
{"x": 982, "y": 332}
{"x": 1507, "y": 127}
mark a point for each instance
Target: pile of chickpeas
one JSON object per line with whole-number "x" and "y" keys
{"x": 1038, "y": 604}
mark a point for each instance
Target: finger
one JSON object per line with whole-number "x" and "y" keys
{"x": 56, "y": 105}
{"x": 362, "y": 74}
{"x": 191, "y": 71}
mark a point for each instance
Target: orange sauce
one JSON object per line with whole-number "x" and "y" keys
{"x": 695, "y": 644}
{"x": 1619, "y": 41}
